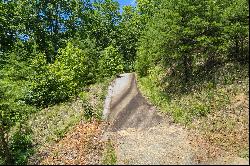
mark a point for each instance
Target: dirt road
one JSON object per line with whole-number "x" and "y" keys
{"x": 141, "y": 135}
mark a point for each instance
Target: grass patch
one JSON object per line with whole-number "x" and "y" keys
{"x": 244, "y": 153}
{"x": 109, "y": 157}
{"x": 217, "y": 108}
{"x": 50, "y": 125}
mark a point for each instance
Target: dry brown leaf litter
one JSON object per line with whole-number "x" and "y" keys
{"x": 224, "y": 132}
{"x": 81, "y": 146}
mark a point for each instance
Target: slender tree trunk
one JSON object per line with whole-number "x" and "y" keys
{"x": 242, "y": 49}
{"x": 5, "y": 148}
{"x": 213, "y": 70}
{"x": 187, "y": 69}
{"x": 237, "y": 50}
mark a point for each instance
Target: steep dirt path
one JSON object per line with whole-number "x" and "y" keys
{"x": 128, "y": 109}
{"x": 142, "y": 136}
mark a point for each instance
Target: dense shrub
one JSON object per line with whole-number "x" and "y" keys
{"x": 110, "y": 62}
{"x": 187, "y": 34}
{"x": 13, "y": 110}
{"x": 53, "y": 83}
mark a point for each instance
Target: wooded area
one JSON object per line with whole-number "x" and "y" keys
{"x": 52, "y": 50}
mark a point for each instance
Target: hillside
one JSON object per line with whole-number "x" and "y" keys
{"x": 60, "y": 59}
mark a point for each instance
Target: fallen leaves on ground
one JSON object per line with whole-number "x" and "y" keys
{"x": 223, "y": 132}
{"x": 81, "y": 146}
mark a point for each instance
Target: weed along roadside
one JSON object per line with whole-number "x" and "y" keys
{"x": 72, "y": 131}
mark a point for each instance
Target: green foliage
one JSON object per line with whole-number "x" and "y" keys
{"x": 8, "y": 25}
{"x": 176, "y": 45}
{"x": 129, "y": 30}
{"x": 18, "y": 147}
{"x": 236, "y": 30}
{"x": 45, "y": 87}
{"x": 13, "y": 109}
{"x": 53, "y": 83}
{"x": 204, "y": 98}
{"x": 188, "y": 34}
{"x": 78, "y": 61}
{"x": 100, "y": 22}
{"x": 21, "y": 145}
{"x": 109, "y": 157}
{"x": 110, "y": 62}
{"x": 88, "y": 111}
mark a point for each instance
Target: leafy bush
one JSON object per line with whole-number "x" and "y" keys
{"x": 13, "y": 110}
{"x": 21, "y": 145}
{"x": 53, "y": 83}
{"x": 46, "y": 87}
{"x": 78, "y": 60}
{"x": 110, "y": 62}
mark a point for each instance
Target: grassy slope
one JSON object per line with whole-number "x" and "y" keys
{"x": 50, "y": 125}
{"x": 219, "y": 113}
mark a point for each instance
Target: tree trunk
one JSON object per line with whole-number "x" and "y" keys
{"x": 242, "y": 56}
{"x": 187, "y": 69}
{"x": 5, "y": 148}
{"x": 237, "y": 50}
